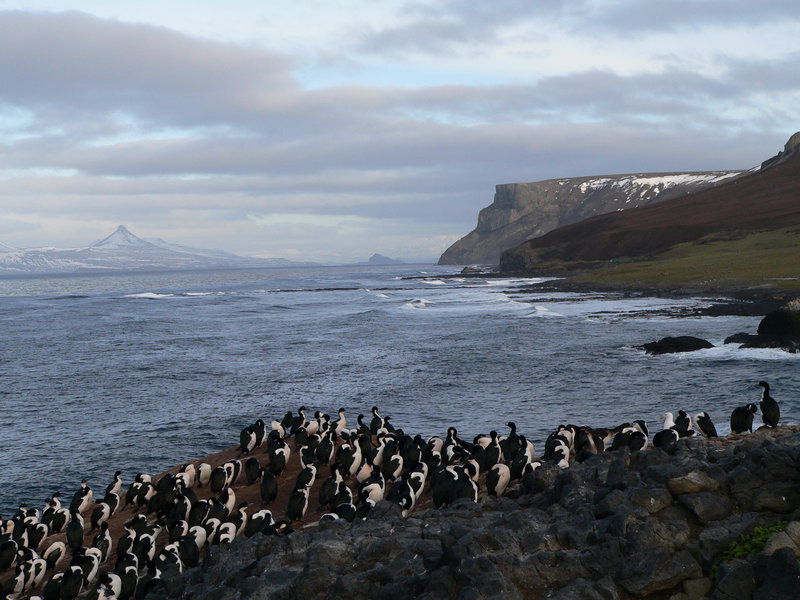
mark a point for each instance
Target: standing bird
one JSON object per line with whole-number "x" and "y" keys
{"x": 298, "y": 503}
{"x": 770, "y": 411}
{"x": 705, "y": 425}
{"x": 742, "y": 418}
{"x": 667, "y": 440}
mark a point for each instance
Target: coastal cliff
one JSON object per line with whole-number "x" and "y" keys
{"x": 521, "y": 211}
{"x": 753, "y": 217}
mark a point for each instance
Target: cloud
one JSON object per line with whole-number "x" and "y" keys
{"x": 59, "y": 64}
{"x": 191, "y": 139}
{"x": 472, "y": 28}
{"x": 625, "y": 17}
{"x": 464, "y": 26}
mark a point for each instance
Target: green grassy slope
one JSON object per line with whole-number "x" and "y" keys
{"x": 717, "y": 261}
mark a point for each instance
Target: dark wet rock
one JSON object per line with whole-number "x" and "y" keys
{"x": 683, "y": 343}
{"x": 777, "y": 576}
{"x": 788, "y": 343}
{"x": 780, "y": 497}
{"x": 648, "y": 572}
{"x": 695, "y": 589}
{"x": 580, "y": 589}
{"x": 736, "y": 580}
{"x": 651, "y": 500}
{"x": 783, "y": 321}
{"x": 693, "y": 482}
{"x": 705, "y": 506}
{"x": 717, "y": 537}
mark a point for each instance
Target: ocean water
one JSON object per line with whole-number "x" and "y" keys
{"x": 140, "y": 372}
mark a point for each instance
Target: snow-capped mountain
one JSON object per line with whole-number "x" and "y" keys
{"x": 123, "y": 251}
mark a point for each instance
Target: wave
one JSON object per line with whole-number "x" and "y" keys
{"x": 149, "y": 295}
{"x": 418, "y": 303}
{"x": 732, "y": 352}
{"x": 543, "y": 311}
{"x": 70, "y": 297}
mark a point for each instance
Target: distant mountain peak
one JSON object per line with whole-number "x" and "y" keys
{"x": 121, "y": 238}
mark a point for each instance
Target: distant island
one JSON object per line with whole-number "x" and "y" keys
{"x": 378, "y": 259}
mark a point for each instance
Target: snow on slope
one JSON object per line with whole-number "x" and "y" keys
{"x": 635, "y": 187}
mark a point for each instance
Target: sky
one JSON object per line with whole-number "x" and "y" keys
{"x": 332, "y": 130}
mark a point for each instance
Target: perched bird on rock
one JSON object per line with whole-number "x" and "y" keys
{"x": 742, "y": 418}
{"x": 770, "y": 411}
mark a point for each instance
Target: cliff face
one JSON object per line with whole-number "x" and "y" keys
{"x": 521, "y": 211}
{"x": 760, "y": 201}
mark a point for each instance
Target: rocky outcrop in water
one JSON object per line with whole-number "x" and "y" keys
{"x": 521, "y": 211}
{"x": 619, "y": 525}
{"x": 780, "y": 328}
{"x": 682, "y": 343}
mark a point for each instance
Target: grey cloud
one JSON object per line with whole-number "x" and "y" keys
{"x": 466, "y": 27}
{"x": 236, "y": 135}
{"x": 647, "y": 16}
{"x": 73, "y": 62}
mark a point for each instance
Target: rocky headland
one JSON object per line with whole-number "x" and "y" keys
{"x": 738, "y": 233}
{"x": 622, "y": 524}
{"x": 521, "y": 211}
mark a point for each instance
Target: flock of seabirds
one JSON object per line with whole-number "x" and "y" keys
{"x": 172, "y": 528}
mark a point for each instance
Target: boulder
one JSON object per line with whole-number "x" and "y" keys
{"x": 648, "y": 572}
{"x": 788, "y": 343}
{"x": 781, "y": 322}
{"x": 682, "y": 343}
{"x": 778, "y": 329}
{"x": 778, "y": 576}
{"x": 706, "y": 507}
{"x": 736, "y": 580}
{"x": 691, "y": 483}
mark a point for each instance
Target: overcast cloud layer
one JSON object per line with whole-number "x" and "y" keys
{"x": 306, "y": 133}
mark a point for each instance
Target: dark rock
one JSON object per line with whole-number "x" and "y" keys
{"x": 644, "y": 573}
{"x": 736, "y": 581}
{"x": 715, "y": 539}
{"x": 683, "y": 343}
{"x": 693, "y": 482}
{"x": 651, "y": 500}
{"x": 781, "y": 322}
{"x": 781, "y": 498}
{"x": 706, "y": 507}
{"x": 332, "y": 552}
{"x": 580, "y": 589}
{"x": 777, "y": 576}
{"x": 558, "y": 568}
{"x": 788, "y": 343}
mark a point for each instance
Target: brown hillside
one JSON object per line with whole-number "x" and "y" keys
{"x": 764, "y": 200}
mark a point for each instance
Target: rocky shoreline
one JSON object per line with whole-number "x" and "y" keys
{"x": 619, "y": 525}
{"x": 725, "y": 301}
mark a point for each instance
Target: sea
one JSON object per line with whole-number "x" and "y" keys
{"x": 139, "y": 372}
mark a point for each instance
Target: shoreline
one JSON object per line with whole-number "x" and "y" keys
{"x": 727, "y": 300}
{"x": 543, "y": 496}
{"x": 564, "y": 531}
